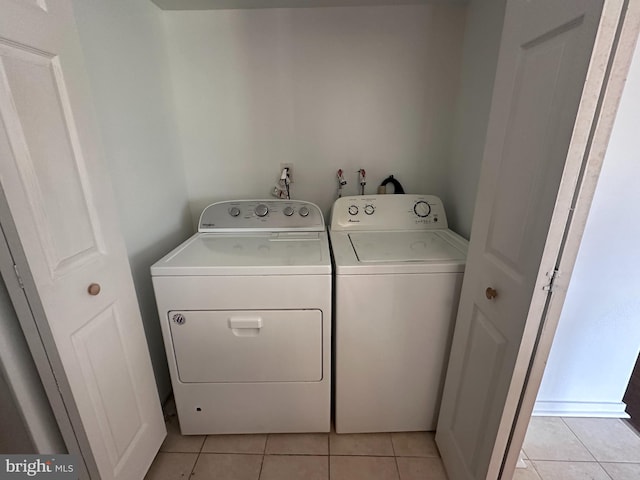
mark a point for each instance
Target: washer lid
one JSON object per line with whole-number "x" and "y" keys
{"x": 248, "y": 254}
{"x": 407, "y": 246}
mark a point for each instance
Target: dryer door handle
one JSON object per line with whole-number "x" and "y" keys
{"x": 245, "y": 326}
{"x": 245, "y": 322}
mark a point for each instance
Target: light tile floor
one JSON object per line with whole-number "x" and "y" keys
{"x": 308, "y": 456}
{"x": 580, "y": 448}
{"x": 554, "y": 449}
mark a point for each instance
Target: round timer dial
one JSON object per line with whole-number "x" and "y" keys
{"x": 261, "y": 210}
{"x": 234, "y": 211}
{"x": 353, "y": 210}
{"x": 369, "y": 209}
{"x": 422, "y": 209}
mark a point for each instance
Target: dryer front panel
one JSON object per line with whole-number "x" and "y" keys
{"x": 247, "y": 346}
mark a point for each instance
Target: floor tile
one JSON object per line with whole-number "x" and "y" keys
{"x": 608, "y": 439}
{"x": 171, "y": 466}
{"x": 527, "y": 473}
{"x": 570, "y": 471}
{"x": 234, "y": 444}
{"x": 414, "y": 444}
{"x": 176, "y": 442}
{"x": 421, "y": 468}
{"x": 622, "y": 471}
{"x": 362, "y": 468}
{"x": 227, "y": 466}
{"x": 295, "y": 467}
{"x": 373, "y": 444}
{"x": 298, "y": 444}
{"x": 549, "y": 438}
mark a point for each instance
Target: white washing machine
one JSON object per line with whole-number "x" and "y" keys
{"x": 398, "y": 273}
{"x": 245, "y": 308}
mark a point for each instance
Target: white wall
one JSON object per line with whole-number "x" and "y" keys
{"x": 598, "y": 337}
{"x": 325, "y": 88}
{"x": 125, "y": 54}
{"x": 480, "y": 58}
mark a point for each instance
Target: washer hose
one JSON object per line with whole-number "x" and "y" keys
{"x": 397, "y": 186}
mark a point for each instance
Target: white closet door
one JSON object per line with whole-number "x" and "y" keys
{"x": 60, "y": 199}
{"x": 529, "y": 169}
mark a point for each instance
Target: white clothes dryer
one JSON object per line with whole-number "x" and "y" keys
{"x": 398, "y": 273}
{"x": 245, "y": 309}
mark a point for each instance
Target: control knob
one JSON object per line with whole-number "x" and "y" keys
{"x": 288, "y": 211}
{"x": 304, "y": 212}
{"x": 422, "y": 209}
{"x": 353, "y": 210}
{"x": 261, "y": 210}
{"x": 234, "y": 211}
{"x": 369, "y": 209}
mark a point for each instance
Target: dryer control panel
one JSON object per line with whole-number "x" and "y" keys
{"x": 388, "y": 212}
{"x": 260, "y": 216}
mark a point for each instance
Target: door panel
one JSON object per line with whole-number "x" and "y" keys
{"x": 33, "y": 91}
{"x": 63, "y": 211}
{"x": 526, "y": 155}
{"x": 484, "y": 350}
{"x": 102, "y": 355}
{"x": 544, "y": 57}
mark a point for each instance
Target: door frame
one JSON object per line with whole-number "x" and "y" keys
{"x": 21, "y": 287}
{"x": 626, "y": 31}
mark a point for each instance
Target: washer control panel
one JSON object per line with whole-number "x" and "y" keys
{"x": 388, "y": 212}
{"x": 261, "y": 215}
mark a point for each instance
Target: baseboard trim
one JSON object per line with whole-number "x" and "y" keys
{"x": 580, "y": 409}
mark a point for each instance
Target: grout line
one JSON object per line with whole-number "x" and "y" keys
{"x": 395, "y": 457}
{"x": 620, "y": 462}
{"x": 364, "y": 455}
{"x": 395, "y": 460}
{"x": 535, "y": 469}
{"x": 569, "y": 461}
{"x": 579, "y": 439}
{"x": 605, "y": 471}
{"x": 393, "y": 448}
{"x": 359, "y": 455}
{"x": 254, "y": 454}
{"x": 193, "y": 470}
{"x": 261, "y": 466}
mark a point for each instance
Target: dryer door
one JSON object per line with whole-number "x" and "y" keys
{"x": 231, "y": 346}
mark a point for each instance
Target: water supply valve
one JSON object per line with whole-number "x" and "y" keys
{"x": 341, "y": 182}
{"x": 362, "y": 179}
